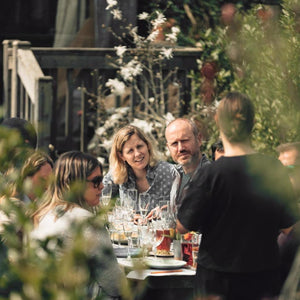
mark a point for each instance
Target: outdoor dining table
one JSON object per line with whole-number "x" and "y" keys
{"x": 155, "y": 283}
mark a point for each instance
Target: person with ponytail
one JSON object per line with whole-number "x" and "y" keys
{"x": 240, "y": 204}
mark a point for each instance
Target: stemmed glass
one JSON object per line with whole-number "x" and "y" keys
{"x": 132, "y": 196}
{"x": 106, "y": 194}
{"x": 144, "y": 205}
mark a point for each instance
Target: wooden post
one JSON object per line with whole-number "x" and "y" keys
{"x": 83, "y": 127}
{"x": 14, "y": 81}
{"x": 43, "y": 111}
{"x": 6, "y": 76}
{"x": 69, "y": 109}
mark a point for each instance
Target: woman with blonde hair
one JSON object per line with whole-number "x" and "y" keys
{"x": 71, "y": 200}
{"x": 133, "y": 164}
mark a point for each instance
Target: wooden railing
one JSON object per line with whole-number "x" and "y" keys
{"x": 27, "y": 91}
{"x": 31, "y": 83}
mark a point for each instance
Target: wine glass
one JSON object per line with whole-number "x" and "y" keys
{"x": 144, "y": 205}
{"x": 106, "y": 194}
{"x": 132, "y": 196}
{"x": 128, "y": 201}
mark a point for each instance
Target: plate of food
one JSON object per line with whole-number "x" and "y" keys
{"x": 164, "y": 263}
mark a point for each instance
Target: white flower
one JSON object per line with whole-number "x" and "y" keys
{"x": 169, "y": 117}
{"x": 116, "y": 86}
{"x": 126, "y": 73}
{"x": 175, "y": 29}
{"x": 167, "y": 53}
{"x": 134, "y": 34}
{"x": 111, "y": 4}
{"x": 100, "y": 131}
{"x": 143, "y": 16}
{"x": 161, "y": 19}
{"x": 120, "y": 50}
{"x": 117, "y": 14}
{"x": 144, "y": 125}
{"x": 134, "y": 30}
{"x": 172, "y": 37}
{"x": 153, "y": 35}
{"x": 151, "y": 99}
{"x": 131, "y": 70}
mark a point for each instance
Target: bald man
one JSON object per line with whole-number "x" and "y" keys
{"x": 184, "y": 142}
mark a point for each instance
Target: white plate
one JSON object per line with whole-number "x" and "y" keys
{"x": 164, "y": 263}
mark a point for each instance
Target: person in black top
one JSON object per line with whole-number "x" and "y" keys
{"x": 239, "y": 203}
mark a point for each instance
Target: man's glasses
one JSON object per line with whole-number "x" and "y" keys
{"x": 96, "y": 181}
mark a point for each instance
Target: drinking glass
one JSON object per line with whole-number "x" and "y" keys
{"x": 132, "y": 196}
{"x": 106, "y": 194}
{"x": 189, "y": 244}
{"x": 128, "y": 229}
{"x": 157, "y": 232}
{"x": 128, "y": 202}
{"x": 164, "y": 206}
{"x": 145, "y": 238}
{"x": 118, "y": 223}
{"x": 144, "y": 205}
{"x": 196, "y": 239}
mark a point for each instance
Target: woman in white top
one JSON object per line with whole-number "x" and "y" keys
{"x": 64, "y": 208}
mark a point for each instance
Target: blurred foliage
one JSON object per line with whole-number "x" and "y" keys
{"x": 250, "y": 47}
{"x": 255, "y": 52}
{"x": 264, "y": 51}
{"x": 53, "y": 268}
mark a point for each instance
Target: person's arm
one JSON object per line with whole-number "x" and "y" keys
{"x": 180, "y": 228}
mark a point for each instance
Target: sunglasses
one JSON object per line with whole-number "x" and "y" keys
{"x": 96, "y": 181}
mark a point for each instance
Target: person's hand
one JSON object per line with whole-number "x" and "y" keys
{"x": 154, "y": 214}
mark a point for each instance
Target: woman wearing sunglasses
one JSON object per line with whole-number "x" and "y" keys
{"x": 69, "y": 201}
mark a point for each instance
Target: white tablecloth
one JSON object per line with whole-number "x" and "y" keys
{"x": 141, "y": 273}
